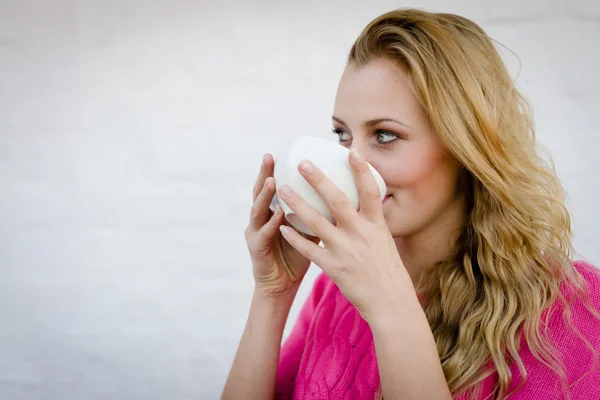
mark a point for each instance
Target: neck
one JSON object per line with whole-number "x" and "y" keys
{"x": 433, "y": 244}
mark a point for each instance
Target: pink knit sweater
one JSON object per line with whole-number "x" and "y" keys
{"x": 330, "y": 352}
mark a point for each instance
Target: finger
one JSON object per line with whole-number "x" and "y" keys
{"x": 313, "y": 239}
{"x": 314, "y": 220}
{"x": 266, "y": 170}
{"x": 368, "y": 191}
{"x": 271, "y": 228}
{"x": 306, "y": 247}
{"x": 259, "y": 213}
{"x": 338, "y": 203}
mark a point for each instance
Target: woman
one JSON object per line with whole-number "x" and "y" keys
{"x": 460, "y": 284}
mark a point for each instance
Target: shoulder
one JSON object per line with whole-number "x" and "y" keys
{"x": 580, "y": 303}
{"x": 591, "y": 275}
{"x": 579, "y": 314}
{"x": 574, "y": 332}
{"x": 582, "y": 317}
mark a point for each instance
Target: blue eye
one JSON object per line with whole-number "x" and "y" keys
{"x": 388, "y": 134}
{"x": 380, "y": 135}
{"x": 339, "y": 133}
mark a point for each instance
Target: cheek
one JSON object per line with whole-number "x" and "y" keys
{"x": 423, "y": 179}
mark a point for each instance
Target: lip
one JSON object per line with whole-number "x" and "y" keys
{"x": 385, "y": 199}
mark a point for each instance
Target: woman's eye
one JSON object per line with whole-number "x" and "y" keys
{"x": 383, "y": 137}
{"x": 390, "y": 137}
{"x": 339, "y": 133}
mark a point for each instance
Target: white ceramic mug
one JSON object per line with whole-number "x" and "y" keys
{"x": 332, "y": 159}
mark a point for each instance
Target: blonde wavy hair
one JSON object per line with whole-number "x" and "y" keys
{"x": 515, "y": 250}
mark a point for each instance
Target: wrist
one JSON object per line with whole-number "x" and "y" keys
{"x": 397, "y": 314}
{"x": 274, "y": 300}
{"x": 269, "y": 313}
{"x": 266, "y": 288}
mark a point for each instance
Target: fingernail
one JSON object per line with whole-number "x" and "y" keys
{"x": 305, "y": 167}
{"x": 355, "y": 155}
{"x": 285, "y": 191}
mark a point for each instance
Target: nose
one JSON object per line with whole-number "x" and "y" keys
{"x": 358, "y": 146}
{"x": 369, "y": 156}
{"x": 362, "y": 150}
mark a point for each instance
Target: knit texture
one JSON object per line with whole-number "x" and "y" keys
{"x": 330, "y": 352}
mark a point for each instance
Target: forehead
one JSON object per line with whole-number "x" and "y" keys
{"x": 379, "y": 88}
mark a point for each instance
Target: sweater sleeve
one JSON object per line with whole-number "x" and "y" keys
{"x": 293, "y": 347}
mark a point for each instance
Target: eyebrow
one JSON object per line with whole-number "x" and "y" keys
{"x": 372, "y": 122}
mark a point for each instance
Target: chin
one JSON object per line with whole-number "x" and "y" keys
{"x": 401, "y": 225}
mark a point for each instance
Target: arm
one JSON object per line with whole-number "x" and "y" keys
{"x": 361, "y": 257}
{"x": 254, "y": 368}
{"x": 260, "y": 368}
{"x": 407, "y": 356}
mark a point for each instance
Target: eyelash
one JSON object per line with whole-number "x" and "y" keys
{"x": 338, "y": 132}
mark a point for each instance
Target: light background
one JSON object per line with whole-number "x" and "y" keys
{"x": 131, "y": 133}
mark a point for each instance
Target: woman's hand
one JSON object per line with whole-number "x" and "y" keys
{"x": 359, "y": 253}
{"x": 278, "y": 267}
